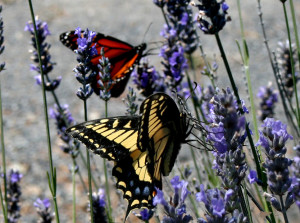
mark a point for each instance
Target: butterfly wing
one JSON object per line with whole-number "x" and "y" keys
{"x": 122, "y": 56}
{"x": 111, "y": 138}
{"x": 162, "y": 130}
{"x": 116, "y": 139}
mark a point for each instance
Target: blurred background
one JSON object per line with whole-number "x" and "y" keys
{"x": 24, "y": 128}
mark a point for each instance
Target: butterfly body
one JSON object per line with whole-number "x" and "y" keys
{"x": 143, "y": 147}
{"x": 122, "y": 57}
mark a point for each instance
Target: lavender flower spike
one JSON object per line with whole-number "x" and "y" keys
{"x": 99, "y": 212}
{"x": 268, "y": 99}
{"x": 273, "y": 138}
{"x": 13, "y": 196}
{"x": 212, "y": 15}
{"x": 218, "y": 204}
{"x": 43, "y": 208}
{"x": 176, "y": 209}
{"x": 47, "y": 64}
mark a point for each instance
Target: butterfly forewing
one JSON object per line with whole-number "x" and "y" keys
{"x": 111, "y": 138}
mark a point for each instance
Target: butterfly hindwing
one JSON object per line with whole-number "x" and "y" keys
{"x": 135, "y": 180}
{"x": 111, "y": 138}
{"x": 122, "y": 57}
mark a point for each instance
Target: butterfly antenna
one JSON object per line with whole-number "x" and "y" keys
{"x": 146, "y": 31}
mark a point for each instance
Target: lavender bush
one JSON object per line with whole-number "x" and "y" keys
{"x": 244, "y": 150}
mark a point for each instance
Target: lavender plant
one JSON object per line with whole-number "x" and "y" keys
{"x": 43, "y": 208}
{"x": 13, "y": 196}
{"x": 227, "y": 134}
{"x": 44, "y": 47}
{"x": 176, "y": 209}
{"x": 286, "y": 67}
{"x": 132, "y": 107}
{"x": 218, "y": 205}
{"x": 294, "y": 190}
{"x": 83, "y": 71}
{"x": 273, "y": 138}
{"x": 147, "y": 79}
{"x": 99, "y": 212}
{"x": 268, "y": 99}
{"x": 3, "y": 196}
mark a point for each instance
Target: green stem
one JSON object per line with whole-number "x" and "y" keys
{"x": 3, "y": 207}
{"x": 292, "y": 64}
{"x": 52, "y": 176}
{"x": 4, "y": 203}
{"x": 85, "y": 164}
{"x": 295, "y": 29}
{"x": 88, "y": 162}
{"x": 74, "y": 190}
{"x": 286, "y": 220}
{"x": 109, "y": 212}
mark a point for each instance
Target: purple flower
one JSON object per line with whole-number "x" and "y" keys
{"x": 145, "y": 214}
{"x": 218, "y": 204}
{"x": 295, "y": 186}
{"x": 130, "y": 102}
{"x": 159, "y": 198}
{"x": 201, "y": 196}
{"x": 147, "y": 79}
{"x": 13, "y": 196}
{"x": 176, "y": 210}
{"x": 286, "y": 67}
{"x": 218, "y": 207}
{"x": 41, "y": 27}
{"x": 43, "y": 210}
{"x": 218, "y": 138}
{"x": 63, "y": 120}
{"x": 43, "y": 204}
{"x": 179, "y": 15}
{"x": 252, "y": 177}
{"x": 47, "y": 64}
{"x": 99, "y": 213}
{"x": 15, "y": 177}
{"x": 268, "y": 99}
{"x": 212, "y": 16}
{"x": 273, "y": 138}
{"x": 178, "y": 64}
{"x": 176, "y": 183}
{"x": 184, "y": 191}
{"x": 85, "y": 42}
{"x": 226, "y": 134}
{"x": 86, "y": 72}
{"x": 104, "y": 82}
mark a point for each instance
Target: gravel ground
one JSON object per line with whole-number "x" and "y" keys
{"x": 127, "y": 20}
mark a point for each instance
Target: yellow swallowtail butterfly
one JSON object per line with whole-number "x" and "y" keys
{"x": 142, "y": 147}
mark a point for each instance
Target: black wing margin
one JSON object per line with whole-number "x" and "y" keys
{"x": 111, "y": 138}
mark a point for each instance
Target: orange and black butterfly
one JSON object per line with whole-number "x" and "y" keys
{"x": 122, "y": 57}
